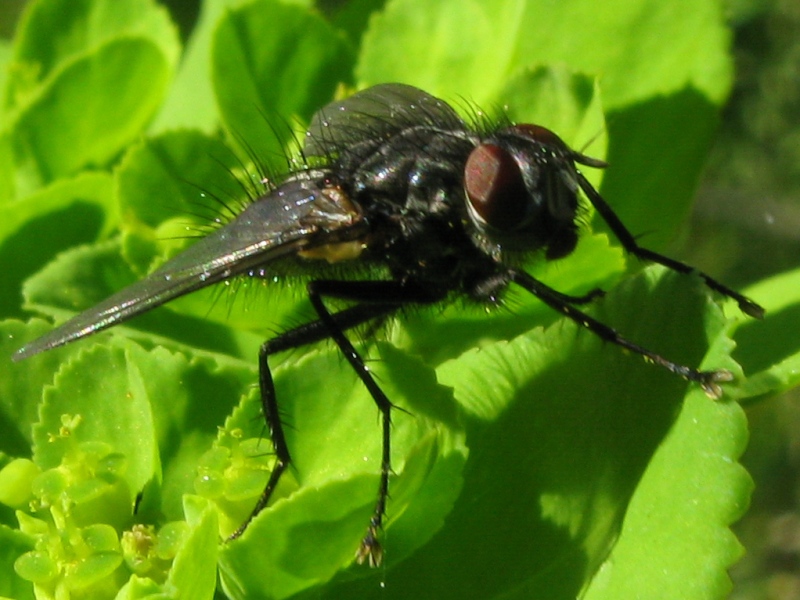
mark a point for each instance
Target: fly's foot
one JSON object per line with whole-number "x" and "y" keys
{"x": 750, "y": 308}
{"x": 370, "y": 550}
{"x": 710, "y": 380}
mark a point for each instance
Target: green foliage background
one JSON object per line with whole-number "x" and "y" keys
{"x": 531, "y": 461}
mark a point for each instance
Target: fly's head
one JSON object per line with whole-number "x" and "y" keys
{"x": 522, "y": 190}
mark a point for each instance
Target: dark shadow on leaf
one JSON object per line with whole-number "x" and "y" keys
{"x": 35, "y": 243}
{"x": 665, "y": 139}
{"x": 762, "y": 344}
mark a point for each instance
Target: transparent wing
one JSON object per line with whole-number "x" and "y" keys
{"x": 295, "y": 216}
{"x": 375, "y": 113}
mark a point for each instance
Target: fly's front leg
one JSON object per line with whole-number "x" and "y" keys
{"x": 628, "y": 242}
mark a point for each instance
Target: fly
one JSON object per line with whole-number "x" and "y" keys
{"x": 440, "y": 205}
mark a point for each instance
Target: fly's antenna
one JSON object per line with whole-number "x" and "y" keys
{"x": 580, "y": 157}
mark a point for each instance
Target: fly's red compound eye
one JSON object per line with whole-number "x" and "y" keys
{"x": 495, "y": 189}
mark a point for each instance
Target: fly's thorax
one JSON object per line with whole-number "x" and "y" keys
{"x": 416, "y": 170}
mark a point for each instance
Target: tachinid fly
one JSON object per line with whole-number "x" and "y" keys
{"x": 404, "y": 183}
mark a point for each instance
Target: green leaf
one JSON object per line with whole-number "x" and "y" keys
{"x": 138, "y": 402}
{"x": 33, "y": 229}
{"x": 6, "y": 54}
{"x": 21, "y": 384}
{"x": 351, "y": 17}
{"x": 191, "y": 101}
{"x": 73, "y": 123}
{"x": 658, "y": 148}
{"x": 769, "y": 357}
{"x": 91, "y": 387}
{"x": 190, "y": 397}
{"x": 194, "y": 571}
{"x": 61, "y": 117}
{"x": 676, "y": 541}
{"x": 273, "y": 61}
{"x": 76, "y": 279}
{"x": 7, "y": 165}
{"x": 54, "y": 33}
{"x": 480, "y": 45}
{"x": 13, "y": 544}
